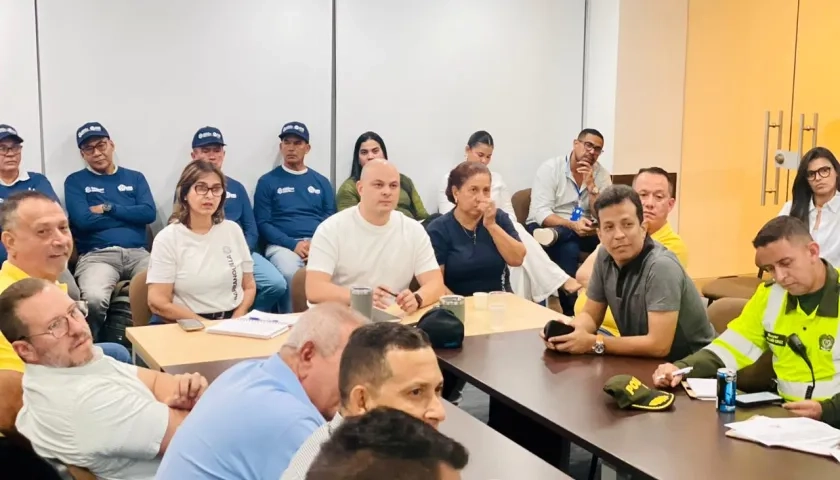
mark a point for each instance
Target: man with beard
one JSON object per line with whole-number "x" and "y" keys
{"x": 562, "y": 200}
{"x": 81, "y": 407}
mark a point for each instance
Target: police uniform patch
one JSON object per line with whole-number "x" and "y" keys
{"x": 826, "y": 343}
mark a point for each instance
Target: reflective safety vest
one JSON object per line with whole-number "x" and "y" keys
{"x": 767, "y": 320}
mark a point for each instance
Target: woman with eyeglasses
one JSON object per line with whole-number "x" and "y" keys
{"x": 200, "y": 266}
{"x": 815, "y": 200}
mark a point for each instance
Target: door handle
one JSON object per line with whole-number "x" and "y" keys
{"x": 803, "y": 128}
{"x": 767, "y": 127}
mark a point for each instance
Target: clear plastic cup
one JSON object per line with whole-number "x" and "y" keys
{"x": 497, "y": 317}
{"x": 481, "y": 300}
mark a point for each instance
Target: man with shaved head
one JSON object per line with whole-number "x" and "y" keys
{"x": 371, "y": 244}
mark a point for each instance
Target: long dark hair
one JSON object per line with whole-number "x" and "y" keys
{"x": 802, "y": 193}
{"x": 356, "y": 166}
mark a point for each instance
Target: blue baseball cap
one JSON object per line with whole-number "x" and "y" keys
{"x": 208, "y": 136}
{"x": 297, "y": 129}
{"x": 88, "y": 131}
{"x": 7, "y": 131}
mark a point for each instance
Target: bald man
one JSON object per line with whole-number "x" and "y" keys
{"x": 373, "y": 245}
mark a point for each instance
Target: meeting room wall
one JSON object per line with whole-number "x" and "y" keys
{"x": 153, "y": 72}
{"x": 19, "y": 77}
{"x": 427, "y": 76}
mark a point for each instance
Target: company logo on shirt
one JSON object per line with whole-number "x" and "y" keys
{"x": 234, "y": 276}
{"x": 90, "y": 129}
{"x": 230, "y": 195}
{"x": 95, "y": 190}
{"x": 313, "y": 190}
{"x": 125, "y": 188}
{"x": 282, "y": 190}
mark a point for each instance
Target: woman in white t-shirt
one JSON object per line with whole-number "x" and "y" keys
{"x": 200, "y": 266}
{"x": 816, "y": 202}
{"x": 538, "y": 277}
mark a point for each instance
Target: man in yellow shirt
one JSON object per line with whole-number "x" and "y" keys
{"x": 657, "y": 194}
{"x": 36, "y": 233}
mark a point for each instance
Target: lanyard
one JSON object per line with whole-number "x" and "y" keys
{"x": 577, "y": 188}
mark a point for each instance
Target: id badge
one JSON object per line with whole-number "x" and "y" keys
{"x": 576, "y": 213}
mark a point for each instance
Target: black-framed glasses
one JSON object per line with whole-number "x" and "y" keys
{"x": 596, "y": 149}
{"x": 821, "y": 172}
{"x": 202, "y": 189}
{"x": 59, "y": 326}
{"x": 101, "y": 145}
{"x": 13, "y": 149}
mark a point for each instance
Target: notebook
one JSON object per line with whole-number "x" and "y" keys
{"x": 701, "y": 388}
{"x": 796, "y": 433}
{"x": 255, "y": 324}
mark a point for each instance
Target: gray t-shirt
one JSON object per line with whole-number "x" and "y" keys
{"x": 655, "y": 282}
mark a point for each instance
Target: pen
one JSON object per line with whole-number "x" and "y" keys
{"x": 388, "y": 292}
{"x": 682, "y": 371}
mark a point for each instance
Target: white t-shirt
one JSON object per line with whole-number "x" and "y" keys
{"x": 827, "y": 233}
{"x": 99, "y": 416}
{"x": 499, "y": 193}
{"x": 357, "y": 253}
{"x": 205, "y": 270}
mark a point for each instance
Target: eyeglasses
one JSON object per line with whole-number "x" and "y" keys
{"x": 101, "y": 146}
{"x": 13, "y": 150}
{"x": 597, "y": 150}
{"x": 821, "y": 172}
{"x": 59, "y": 326}
{"x": 202, "y": 189}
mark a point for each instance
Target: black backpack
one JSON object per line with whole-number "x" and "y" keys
{"x": 118, "y": 317}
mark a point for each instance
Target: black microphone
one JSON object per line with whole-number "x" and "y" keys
{"x": 798, "y": 348}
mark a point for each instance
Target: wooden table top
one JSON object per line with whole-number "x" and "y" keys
{"x": 565, "y": 394}
{"x": 492, "y": 455}
{"x": 165, "y": 345}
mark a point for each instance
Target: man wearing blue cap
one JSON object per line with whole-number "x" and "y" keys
{"x": 13, "y": 180}
{"x": 208, "y": 145}
{"x": 290, "y": 202}
{"x": 109, "y": 208}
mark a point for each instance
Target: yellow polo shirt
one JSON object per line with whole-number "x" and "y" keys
{"x": 670, "y": 240}
{"x": 9, "y": 360}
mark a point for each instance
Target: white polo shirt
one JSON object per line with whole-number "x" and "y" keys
{"x": 827, "y": 233}
{"x": 555, "y": 190}
{"x": 205, "y": 270}
{"x": 99, "y": 416}
{"x": 357, "y": 253}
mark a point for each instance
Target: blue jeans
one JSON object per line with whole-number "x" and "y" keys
{"x": 288, "y": 263}
{"x": 272, "y": 287}
{"x": 115, "y": 351}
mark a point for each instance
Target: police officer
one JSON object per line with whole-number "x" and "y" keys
{"x": 800, "y": 303}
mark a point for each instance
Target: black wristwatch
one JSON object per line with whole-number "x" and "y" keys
{"x": 106, "y": 207}
{"x": 419, "y": 299}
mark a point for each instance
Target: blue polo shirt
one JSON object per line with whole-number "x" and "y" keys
{"x": 470, "y": 265}
{"x": 247, "y": 425}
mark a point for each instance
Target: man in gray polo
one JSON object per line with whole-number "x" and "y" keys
{"x": 656, "y": 306}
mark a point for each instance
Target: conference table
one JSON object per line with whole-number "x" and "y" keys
{"x": 161, "y": 346}
{"x": 492, "y": 455}
{"x": 564, "y": 394}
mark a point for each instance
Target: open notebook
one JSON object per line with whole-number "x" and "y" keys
{"x": 797, "y": 433}
{"x": 255, "y": 324}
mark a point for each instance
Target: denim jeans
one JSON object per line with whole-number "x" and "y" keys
{"x": 272, "y": 288}
{"x": 288, "y": 263}
{"x": 115, "y": 351}
{"x": 98, "y": 273}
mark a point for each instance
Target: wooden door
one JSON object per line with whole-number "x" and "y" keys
{"x": 817, "y": 73}
{"x": 739, "y": 64}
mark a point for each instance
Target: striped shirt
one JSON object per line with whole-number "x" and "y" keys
{"x": 310, "y": 449}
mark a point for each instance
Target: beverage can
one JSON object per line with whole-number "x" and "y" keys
{"x": 726, "y": 390}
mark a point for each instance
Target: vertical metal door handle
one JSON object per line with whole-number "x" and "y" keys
{"x": 767, "y": 127}
{"x": 778, "y": 147}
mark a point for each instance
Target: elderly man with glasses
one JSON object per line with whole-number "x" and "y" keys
{"x": 562, "y": 200}
{"x": 109, "y": 207}
{"x": 80, "y": 406}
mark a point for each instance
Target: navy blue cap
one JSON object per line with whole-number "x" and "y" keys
{"x": 297, "y": 129}
{"x": 90, "y": 130}
{"x": 208, "y": 136}
{"x": 7, "y": 131}
{"x": 443, "y": 328}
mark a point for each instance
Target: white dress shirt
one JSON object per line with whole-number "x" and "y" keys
{"x": 555, "y": 190}
{"x": 827, "y": 233}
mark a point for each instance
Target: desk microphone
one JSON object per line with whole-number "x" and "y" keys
{"x": 798, "y": 348}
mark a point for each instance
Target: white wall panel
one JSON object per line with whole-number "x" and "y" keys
{"x": 19, "y": 77}
{"x": 155, "y": 71}
{"x": 425, "y": 75}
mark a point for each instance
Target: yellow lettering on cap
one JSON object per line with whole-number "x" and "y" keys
{"x": 633, "y": 385}
{"x": 659, "y": 400}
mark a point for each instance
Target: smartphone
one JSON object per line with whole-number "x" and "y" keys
{"x": 556, "y": 328}
{"x": 190, "y": 324}
{"x": 757, "y": 399}
{"x": 594, "y": 224}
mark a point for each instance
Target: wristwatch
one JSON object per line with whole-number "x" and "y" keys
{"x": 106, "y": 207}
{"x": 419, "y": 299}
{"x": 594, "y": 190}
{"x": 598, "y": 348}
